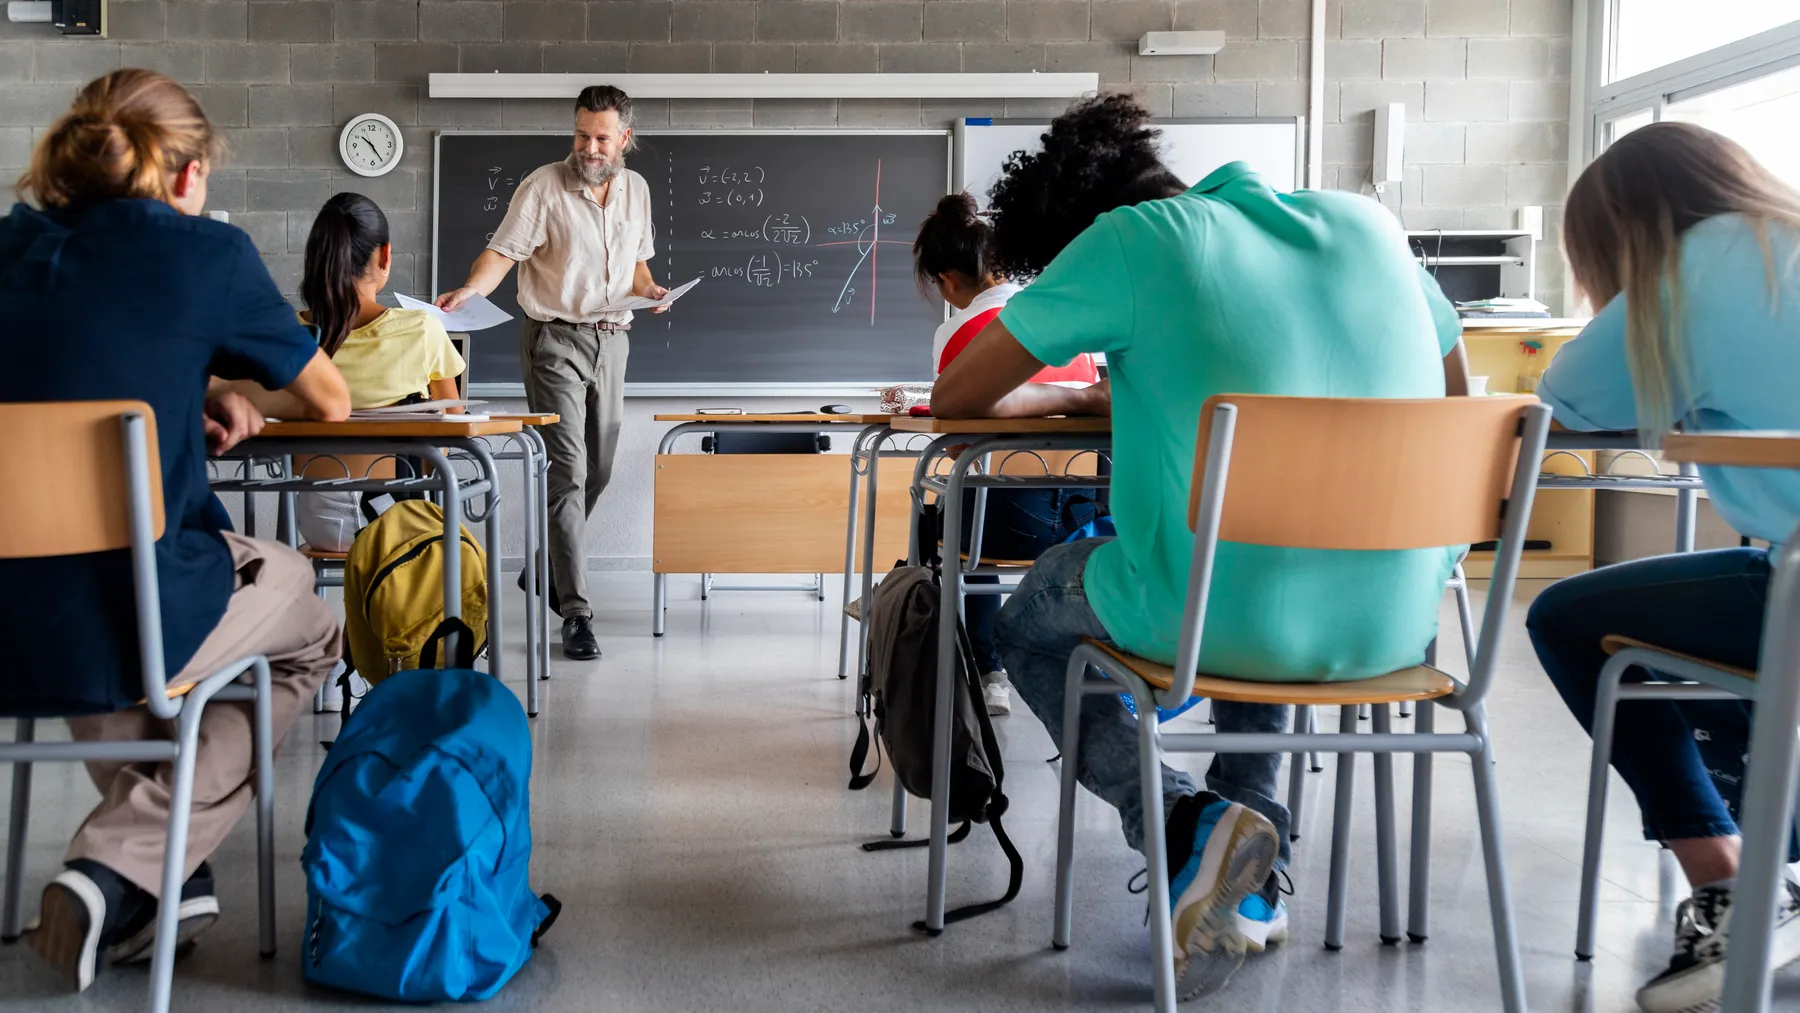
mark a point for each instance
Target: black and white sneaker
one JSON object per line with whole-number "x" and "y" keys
{"x": 1695, "y": 978}
{"x": 74, "y": 917}
{"x": 199, "y": 911}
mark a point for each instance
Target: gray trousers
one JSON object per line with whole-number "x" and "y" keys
{"x": 578, "y": 372}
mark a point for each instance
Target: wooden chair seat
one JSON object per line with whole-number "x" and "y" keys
{"x": 323, "y": 554}
{"x": 1613, "y": 643}
{"x": 1024, "y": 564}
{"x": 1421, "y": 682}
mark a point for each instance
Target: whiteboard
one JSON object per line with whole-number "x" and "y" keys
{"x": 1274, "y": 147}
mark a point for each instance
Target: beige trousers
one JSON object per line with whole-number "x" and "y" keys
{"x": 578, "y": 372}
{"x": 274, "y": 612}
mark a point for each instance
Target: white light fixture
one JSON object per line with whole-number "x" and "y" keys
{"x": 823, "y": 86}
{"x": 31, "y": 11}
{"x": 1181, "y": 43}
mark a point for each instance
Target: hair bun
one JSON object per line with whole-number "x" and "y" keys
{"x": 957, "y": 205}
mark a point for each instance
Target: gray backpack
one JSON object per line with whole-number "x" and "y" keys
{"x": 900, "y": 697}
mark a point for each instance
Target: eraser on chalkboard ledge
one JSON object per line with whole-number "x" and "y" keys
{"x": 978, "y": 121}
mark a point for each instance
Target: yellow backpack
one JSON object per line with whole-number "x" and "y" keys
{"x": 394, "y": 593}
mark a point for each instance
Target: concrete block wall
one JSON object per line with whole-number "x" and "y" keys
{"x": 1485, "y": 83}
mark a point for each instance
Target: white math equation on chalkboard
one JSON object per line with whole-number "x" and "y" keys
{"x": 733, "y": 187}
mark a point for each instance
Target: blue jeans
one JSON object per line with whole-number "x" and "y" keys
{"x": 1684, "y": 761}
{"x": 1039, "y": 627}
{"x": 1019, "y": 524}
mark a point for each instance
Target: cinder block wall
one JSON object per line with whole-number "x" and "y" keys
{"x": 1485, "y": 83}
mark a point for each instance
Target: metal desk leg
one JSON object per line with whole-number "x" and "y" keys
{"x": 528, "y": 489}
{"x": 856, "y": 452}
{"x": 1686, "y": 511}
{"x": 872, "y": 483}
{"x": 496, "y": 628}
{"x": 1769, "y": 784}
{"x": 946, "y": 663}
{"x": 543, "y": 550}
{"x": 452, "y": 494}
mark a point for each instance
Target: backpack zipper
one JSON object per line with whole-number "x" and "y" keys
{"x": 406, "y": 557}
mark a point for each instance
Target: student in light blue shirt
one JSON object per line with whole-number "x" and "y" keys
{"x": 1693, "y": 251}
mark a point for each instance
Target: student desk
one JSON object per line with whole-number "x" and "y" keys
{"x": 735, "y": 513}
{"x": 973, "y": 440}
{"x": 434, "y": 442}
{"x": 1769, "y": 776}
{"x": 1567, "y": 444}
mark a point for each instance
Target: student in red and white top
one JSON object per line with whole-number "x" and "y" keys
{"x": 952, "y": 256}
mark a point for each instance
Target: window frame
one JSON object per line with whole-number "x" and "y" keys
{"x": 1595, "y": 104}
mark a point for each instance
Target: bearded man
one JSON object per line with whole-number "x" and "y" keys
{"x": 581, "y": 233}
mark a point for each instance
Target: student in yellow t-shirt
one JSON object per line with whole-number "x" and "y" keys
{"x": 388, "y": 356}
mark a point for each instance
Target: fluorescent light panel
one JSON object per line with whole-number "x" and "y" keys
{"x": 932, "y": 86}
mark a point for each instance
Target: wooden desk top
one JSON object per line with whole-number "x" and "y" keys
{"x": 1759, "y": 448}
{"x": 529, "y": 418}
{"x": 822, "y": 419}
{"x": 388, "y": 430}
{"x": 997, "y": 427}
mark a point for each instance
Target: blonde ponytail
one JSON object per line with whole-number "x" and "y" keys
{"x": 128, "y": 134}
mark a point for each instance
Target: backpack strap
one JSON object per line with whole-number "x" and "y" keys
{"x": 465, "y": 645}
{"x": 997, "y": 802}
{"x": 956, "y": 837}
{"x": 555, "y": 907}
{"x": 865, "y": 740}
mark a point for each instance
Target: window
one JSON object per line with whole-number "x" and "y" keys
{"x": 1762, "y": 114}
{"x": 1728, "y": 65}
{"x": 1655, "y": 33}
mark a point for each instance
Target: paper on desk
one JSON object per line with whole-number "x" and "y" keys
{"x": 477, "y": 314}
{"x": 638, "y": 302}
{"x": 415, "y": 408}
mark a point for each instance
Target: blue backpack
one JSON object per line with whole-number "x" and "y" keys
{"x": 418, "y": 844}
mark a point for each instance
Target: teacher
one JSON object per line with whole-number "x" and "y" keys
{"x": 580, "y": 231}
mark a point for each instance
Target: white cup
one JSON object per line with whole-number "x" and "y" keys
{"x": 1477, "y": 386}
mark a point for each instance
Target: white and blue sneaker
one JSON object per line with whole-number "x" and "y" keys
{"x": 1220, "y": 854}
{"x": 1260, "y": 924}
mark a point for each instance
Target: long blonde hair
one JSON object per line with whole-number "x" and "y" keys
{"x": 128, "y": 134}
{"x": 1622, "y": 231}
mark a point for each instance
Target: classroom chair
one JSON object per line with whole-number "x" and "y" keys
{"x": 83, "y": 477}
{"x": 1397, "y": 474}
{"x": 1677, "y": 676}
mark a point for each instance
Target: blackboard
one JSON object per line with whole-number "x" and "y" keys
{"x": 803, "y": 239}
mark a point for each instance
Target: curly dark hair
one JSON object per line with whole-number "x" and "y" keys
{"x": 1099, "y": 155}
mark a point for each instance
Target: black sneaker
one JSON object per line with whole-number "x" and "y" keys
{"x": 555, "y": 605}
{"x": 81, "y": 906}
{"x": 199, "y": 911}
{"x": 579, "y": 642}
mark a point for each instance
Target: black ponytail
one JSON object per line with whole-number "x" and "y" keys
{"x": 953, "y": 239}
{"x": 345, "y": 235}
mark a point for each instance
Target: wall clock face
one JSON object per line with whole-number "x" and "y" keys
{"x": 371, "y": 145}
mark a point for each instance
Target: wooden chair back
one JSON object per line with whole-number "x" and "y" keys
{"x": 1365, "y": 473}
{"x": 64, "y": 480}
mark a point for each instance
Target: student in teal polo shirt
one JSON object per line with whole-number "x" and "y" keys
{"x": 1704, "y": 332}
{"x": 1226, "y": 287}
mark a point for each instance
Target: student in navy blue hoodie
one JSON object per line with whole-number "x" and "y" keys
{"x": 113, "y": 286}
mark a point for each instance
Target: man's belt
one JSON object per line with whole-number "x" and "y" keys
{"x": 599, "y": 325}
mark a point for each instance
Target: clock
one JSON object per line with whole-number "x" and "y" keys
{"x": 371, "y": 145}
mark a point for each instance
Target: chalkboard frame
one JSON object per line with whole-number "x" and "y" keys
{"x": 696, "y": 389}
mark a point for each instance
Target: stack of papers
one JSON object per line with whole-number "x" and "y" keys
{"x": 477, "y": 314}
{"x": 424, "y": 411}
{"x": 1486, "y": 308}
